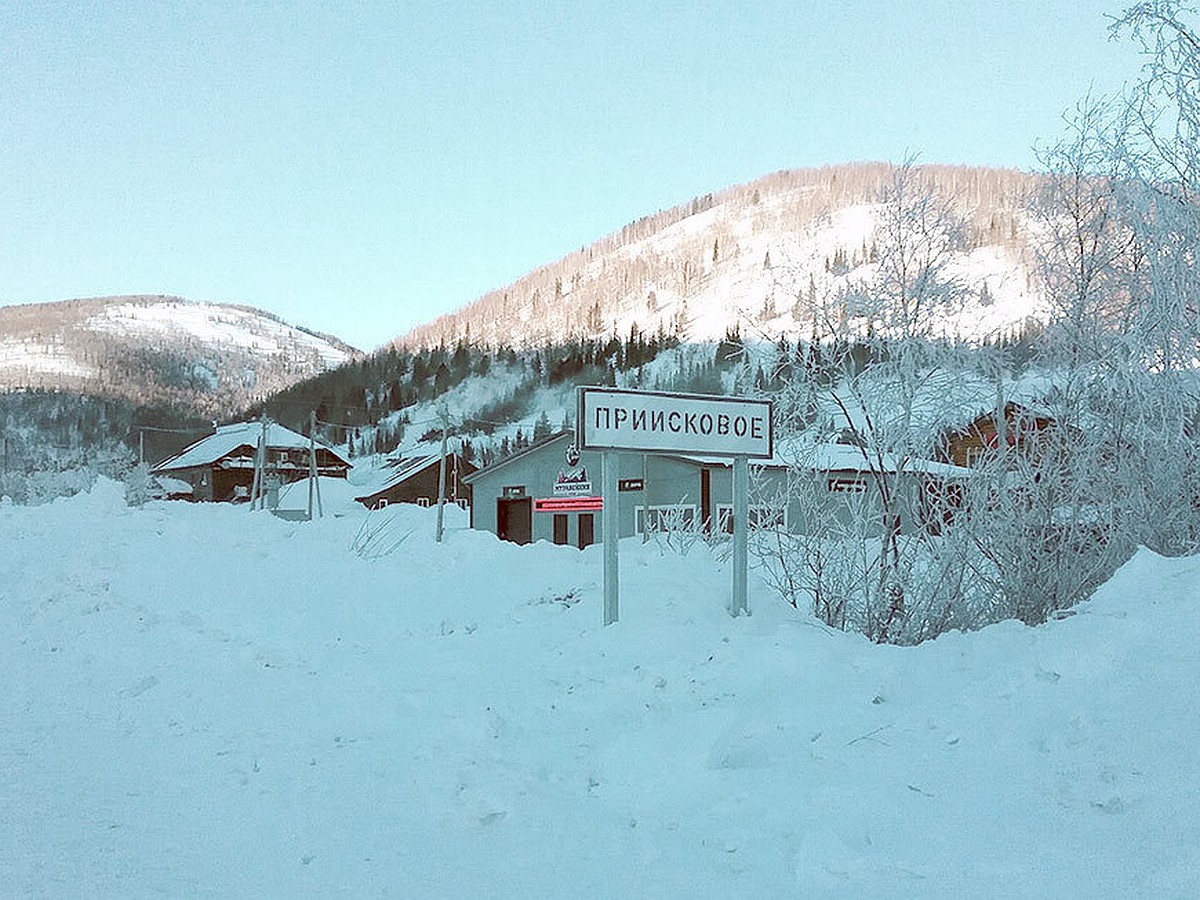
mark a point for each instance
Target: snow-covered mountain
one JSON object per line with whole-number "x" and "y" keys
{"x": 755, "y": 256}
{"x": 208, "y": 357}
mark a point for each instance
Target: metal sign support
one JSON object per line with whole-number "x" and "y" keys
{"x": 741, "y": 534}
{"x": 612, "y": 533}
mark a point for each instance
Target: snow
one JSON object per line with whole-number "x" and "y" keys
{"x": 833, "y": 457}
{"x": 22, "y": 355}
{"x": 203, "y": 700}
{"x": 733, "y": 291}
{"x": 214, "y": 324}
{"x": 228, "y": 438}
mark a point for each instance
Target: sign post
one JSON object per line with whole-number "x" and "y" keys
{"x": 611, "y": 419}
{"x": 741, "y": 534}
{"x": 611, "y": 525}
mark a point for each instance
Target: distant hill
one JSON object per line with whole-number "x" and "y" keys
{"x": 206, "y": 358}
{"x": 752, "y": 256}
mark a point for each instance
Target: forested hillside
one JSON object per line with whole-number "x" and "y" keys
{"x": 204, "y": 357}
{"x": 763, "y": 256}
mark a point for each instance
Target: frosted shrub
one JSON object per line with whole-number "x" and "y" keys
{"x": 138, "y": 486}
{"x": 674, "y": 529}
{"x": 379, "y": 535}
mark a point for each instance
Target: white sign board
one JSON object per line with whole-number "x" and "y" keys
{"x": 572, "y": 489}
{"x": 614, "y": 419}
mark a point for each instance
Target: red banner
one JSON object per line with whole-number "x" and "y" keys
{"x": 568, "y": 504}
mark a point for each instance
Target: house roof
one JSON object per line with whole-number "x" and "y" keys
{"x": 849, "y": 458}
{"x": 404, "y": 469}
{"x": 228, "y": 438}
{"x": 824, "y": 457}
{"x": 833, "y": 457}
{"x": 1012, "y": 410}
{"x": 520, "y": 454}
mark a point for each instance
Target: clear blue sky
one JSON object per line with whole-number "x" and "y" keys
{"x": 359, "y": 168}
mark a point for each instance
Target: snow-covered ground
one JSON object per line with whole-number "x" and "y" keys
{"x": 203, "y": 701}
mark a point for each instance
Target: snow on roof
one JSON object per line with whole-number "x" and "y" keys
{"x": 524, "y": 451}
{"x": 832, "y": 457}
{"x": 403, "y": 470}
{"x": 825, "y": 457}
{"x": 240, "y": 434}
{"x": 848, "y": 457}
{"x": 173, "y": 485}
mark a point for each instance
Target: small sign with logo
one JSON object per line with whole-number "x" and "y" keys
{"x": 631, "y": 484}
{"x": 572, "y": 481}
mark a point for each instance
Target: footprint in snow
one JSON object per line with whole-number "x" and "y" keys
{"x": 138, "y": 688}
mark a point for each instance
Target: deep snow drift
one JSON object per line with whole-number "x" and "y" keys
{"x": 200, "y": 700}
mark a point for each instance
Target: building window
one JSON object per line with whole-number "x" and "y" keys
{"x": 847, "y": 484}
{"x": 760, "y": 517}
{"x": 674, "y": 517}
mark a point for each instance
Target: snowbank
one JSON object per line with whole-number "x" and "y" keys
{"x": 203, "y": 700}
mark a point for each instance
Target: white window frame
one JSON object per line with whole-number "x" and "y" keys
{"x": 777, "y": 516}
{"x": 659, "y": 510}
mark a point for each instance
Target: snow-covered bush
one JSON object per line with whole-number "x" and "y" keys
{"x": 138, "y": 485}
{"x": 58, "y": 473}
{"x": 1117, "y": 225}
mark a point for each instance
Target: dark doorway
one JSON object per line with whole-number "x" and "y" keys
{"x": 514, "y": 519}
{"x": 560, "y": 529}
{"x": 587, "y": 530}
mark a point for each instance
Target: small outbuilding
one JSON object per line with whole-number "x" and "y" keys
{"x": 220, "y": 466}
{"x": 415, "y": 480}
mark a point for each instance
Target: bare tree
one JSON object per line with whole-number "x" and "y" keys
{"x": 861, "y": 553}
{"x": 1158, "y": 150}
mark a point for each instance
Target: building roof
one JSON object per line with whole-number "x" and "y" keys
{"x": 824, "y": 457}
{"x": 523, "y": 452}
{"x": 404, "y": 469}
{"x": 833, "y": 457}
{"x": 1012, "y": 410}
{"x": 849, "y": 458}
{"x": 228, "y": 438}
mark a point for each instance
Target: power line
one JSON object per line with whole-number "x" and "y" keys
{"x": 133, "y": 428}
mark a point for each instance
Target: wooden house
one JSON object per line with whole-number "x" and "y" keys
{"x": 221, "y": 466}
{"x": 1023, "y": 430}
{"x": 415, "y": 480}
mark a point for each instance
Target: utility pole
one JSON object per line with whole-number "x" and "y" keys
{"x": 312, "y": 460}
{"x": 259, "y": 490}
{"x": 314, "y": 472}
{"x": 257, "y": 474}
{"x": 442, "y": 473}
{"x": 141, "y": 445}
